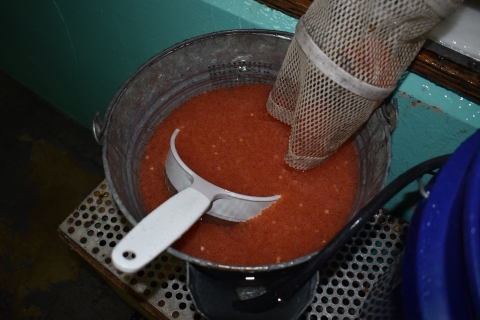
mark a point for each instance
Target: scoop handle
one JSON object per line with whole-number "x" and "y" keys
{"x": 158, "y": 230}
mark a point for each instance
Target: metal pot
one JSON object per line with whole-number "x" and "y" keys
{"x": 221, "y": 59}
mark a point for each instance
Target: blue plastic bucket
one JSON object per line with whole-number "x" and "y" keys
{"x": 440, "y": 260}
{"x": 471, "y": 232}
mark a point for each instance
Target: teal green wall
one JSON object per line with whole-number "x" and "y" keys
{"x": 75, "y": 54}
{"x": 433, "y": 121}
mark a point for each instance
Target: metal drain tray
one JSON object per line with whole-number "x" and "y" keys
{"x": 96, "y": 226}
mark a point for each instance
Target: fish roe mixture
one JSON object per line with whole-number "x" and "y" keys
{"x": 228, "y": 138}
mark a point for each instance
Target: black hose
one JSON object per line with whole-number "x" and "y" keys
{"x": 285, "y": 290}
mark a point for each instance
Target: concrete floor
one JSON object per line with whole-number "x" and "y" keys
{"x": 48, "y": 164}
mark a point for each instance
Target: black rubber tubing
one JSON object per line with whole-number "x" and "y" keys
{"x": 283, "y": 291}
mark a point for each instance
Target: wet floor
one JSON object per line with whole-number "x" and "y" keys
{"x": 48, "y": 165}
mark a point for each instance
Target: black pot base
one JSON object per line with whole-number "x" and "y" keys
{"x": 213, "y": 298}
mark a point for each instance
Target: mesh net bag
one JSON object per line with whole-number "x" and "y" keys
{"x": 345, "y": 58}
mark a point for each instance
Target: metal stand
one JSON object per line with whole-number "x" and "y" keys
{"x": 96, "y": 226}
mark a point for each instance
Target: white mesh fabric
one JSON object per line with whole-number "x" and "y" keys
{"x": 345, "y": 58}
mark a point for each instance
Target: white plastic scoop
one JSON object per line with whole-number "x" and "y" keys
{"x": 164, "y": 225}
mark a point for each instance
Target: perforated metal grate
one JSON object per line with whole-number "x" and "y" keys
{"x": 97, "y": 225}
{"x": 345, "y": 282}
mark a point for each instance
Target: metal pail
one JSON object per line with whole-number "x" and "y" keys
{"x": 221, "y": 59}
